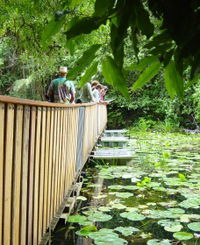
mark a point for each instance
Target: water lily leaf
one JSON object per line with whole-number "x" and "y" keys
{"x": 195, "y": 226}
{"x": 158, "y": 242}
{"x": 185, "y": 218}
{"x": 134, "y": 216}
{"x": 86, "y": 223}
{"x": 104, "y": 209}
{"x": 131, "y": 209}
{"x": 183, "y": 236}
{"x": 190, "y": 203}
{"x": 126, "y": 231}
{"x": 115, "y": 187}
{"x": 105, "y": 236}
{"x": 176, "y": 210}
{"x": 173, "y": 228}
{"x": 99, "y": 216}
{"x": 118, "y": 206}
{"x": 82, "y": 198}
{"x": 76, "y": 218}
{"x": 131, "y": 187}
{"x": 123, "y": 194}
{"x": 86, "y": 230}
{"x": 100, "y": 196}
{"x": 158, "y": 214}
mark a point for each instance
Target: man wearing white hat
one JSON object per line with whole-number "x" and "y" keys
{"x": 61, "y": 90}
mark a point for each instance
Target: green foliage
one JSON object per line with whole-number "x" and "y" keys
{"x": 147, "y": 75}
{"x": 173, "y": 80}
{"x": 113, "y": 75}
{"x": 85, "y": 60}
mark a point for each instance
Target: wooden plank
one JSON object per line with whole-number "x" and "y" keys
{"x": 2, "y": 127}
{"x": 46, "y": 170}
{"x": 66, "y": 149}
{"x": 53, "y": 163}
{"x": 64, "y": 172}
{"x": 41, "y": 173}
{"x": 36, "y": 176}
{"x": 31, "y": 175}
{"x": 58, "y": 161}
{"x": 17, "y": 176}
{"x": 62, "y": 137}
{"x": 49, "y": 190}
{"x": 24, "y": 177}
{"x": 8, "y": 174}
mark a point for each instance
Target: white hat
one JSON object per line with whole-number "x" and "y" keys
{"x": 63, "y": 69}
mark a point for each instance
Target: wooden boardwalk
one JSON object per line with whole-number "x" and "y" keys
{"x": 43, "y": 147}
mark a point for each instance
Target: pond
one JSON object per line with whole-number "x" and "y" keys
{"x": 152, "y": 199}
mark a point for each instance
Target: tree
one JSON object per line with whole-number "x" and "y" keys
{"x": 172, "y": 39}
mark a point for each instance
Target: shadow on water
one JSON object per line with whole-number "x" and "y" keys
{"x": 153, "y": 187}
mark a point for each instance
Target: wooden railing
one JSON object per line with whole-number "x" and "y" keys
{"x": 43, "y": 147}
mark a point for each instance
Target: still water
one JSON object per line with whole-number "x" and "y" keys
{"x": 152, "y": 199}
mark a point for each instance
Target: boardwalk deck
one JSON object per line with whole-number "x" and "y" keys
{"x": 39, "y": 145}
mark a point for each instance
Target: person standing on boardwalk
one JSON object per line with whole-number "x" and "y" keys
{"x": 86, "y": 95}
{"x": 61, "y": 90}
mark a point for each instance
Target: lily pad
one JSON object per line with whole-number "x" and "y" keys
{"x": 99, "y": 216}
{"x": 76, "y": 218}
{"x": 106, "y": 236}
{"x": 123, "y": 194}
{"x": 158, "y": 242}
{"x": 194, "y": 226}
{"x": 86, "y": 230}
{"x": 190, "y": 203}
{"x": 173, "y": 228}
{"x": 183, "y": 236}
{"x": 126, "y": 231}
{"x": 134, "y": 216}
{"x": 82, "y": 198}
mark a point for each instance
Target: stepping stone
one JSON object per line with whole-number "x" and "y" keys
{"x": 113, "y": 154}
{"x": 115, "y": 132}
{"x": 114, "y": 141}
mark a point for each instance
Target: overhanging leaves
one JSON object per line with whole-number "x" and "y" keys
{"x": 88, "y": 74}
{"x": 142, "y": 19}
{"x": 147, "y": 75}
{"x": 52, "y": 28}
{"x": 173, "y": 80}
{"x": 85, "y": 60}
{"x": 114, "y": 76}
{"x": 103, "y": 6}
{"x": 84, "y": 26}
{"x": 142, "y": 64}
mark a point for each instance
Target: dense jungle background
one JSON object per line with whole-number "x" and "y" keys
{"x": 36, "y": 37}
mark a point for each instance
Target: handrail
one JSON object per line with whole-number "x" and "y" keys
{"x": 14, "y": 100}
{"x": 43, "y": 147}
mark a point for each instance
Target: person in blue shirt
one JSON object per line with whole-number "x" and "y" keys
{"x": 62, "y": 90}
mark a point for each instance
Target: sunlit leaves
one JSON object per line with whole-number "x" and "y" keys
{"x": 52, "y": 28}
{"x": 147, "y": 75}
{"x": 173, "y": 80}
{"x": 85, "y": 60}
{"x": 88, "y": 74}
{"x": 84, "y": 26}
{"x": 114, "y": 76}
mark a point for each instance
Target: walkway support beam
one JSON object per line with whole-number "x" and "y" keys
{"x": 43, "y": 147}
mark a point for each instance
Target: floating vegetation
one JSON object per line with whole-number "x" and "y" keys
{"x": 153, "y": 200}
